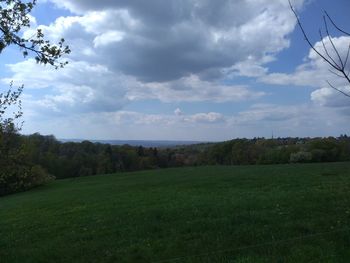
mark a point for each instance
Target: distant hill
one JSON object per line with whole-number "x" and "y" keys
{"x": 144, "y": 143}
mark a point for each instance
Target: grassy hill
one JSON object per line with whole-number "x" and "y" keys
{"x": 281, "y": 213}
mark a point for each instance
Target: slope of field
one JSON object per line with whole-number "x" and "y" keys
{"x": 281, "y": 213}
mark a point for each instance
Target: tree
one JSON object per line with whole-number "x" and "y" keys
{"x": 8, "y": 100}
{"x": 331, "y": 55}
{"x": 17, "y": 173}
{"x": 14, "y": 17}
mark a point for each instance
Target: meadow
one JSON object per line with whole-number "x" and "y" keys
{"x": 271, "y": 213}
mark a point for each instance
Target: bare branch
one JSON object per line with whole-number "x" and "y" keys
{"x": 335, "y": 73}
{"x": 342, "y": 92}
{"x": 347, "y": 56}
{"x": 335, "y": 25}
{"x": 330, "y": 59}
{"x": 330, "y": 40}
{"x": 308, "y": 40}
{"x": 346, "y": 76}
{"x": 326, "y": 51}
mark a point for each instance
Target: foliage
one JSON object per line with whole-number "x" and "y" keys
{"x": 14, "y": 17}
{"x": 301, "y": 157}
{"x": 17, "y": 172}
{"x": 65, "y": 160}
{"x": 275, "y": 213}
{"x": 274, "y": 151}
{"x": 8, "y": 100}
{"x": 21, "y": 176}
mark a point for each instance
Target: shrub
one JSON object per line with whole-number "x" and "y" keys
{"x": 300, "y": 157}
{"x": 17, "y": 178}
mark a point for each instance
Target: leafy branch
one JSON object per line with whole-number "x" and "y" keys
{"x": 14, "y": 16}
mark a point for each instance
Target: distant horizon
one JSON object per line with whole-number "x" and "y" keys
{"x": 200, "y": 141}
{"x": 132, "y": 140}
{"x": 170, "y": 143}
{"x": 176, "y": 140}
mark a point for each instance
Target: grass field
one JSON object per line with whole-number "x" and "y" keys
{"x": 280, "y": 213}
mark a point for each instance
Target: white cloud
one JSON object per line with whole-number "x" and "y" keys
{"x": 315, "y": 72}
{"x": 82, "y": 86}
{"x": 120, "y": 53}
{"x": 178, "y": 112}
{"x": 108, "y": 38}
{"x": 79, "y": 87}
{"x": 125, "y": 52}
{"x": 190, "y": 89}
{"x": 259, "y": 120}
{"x": 211, "y": 117}
{"x": 158, "y": 41}
{"x": 290, "y": 120}
{"x": 331, "y": 98}
{"x": 250, "y": 67}
{"x": 127, "y": 124}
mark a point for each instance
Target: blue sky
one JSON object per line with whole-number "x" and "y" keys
{"x": 182, "y": 70}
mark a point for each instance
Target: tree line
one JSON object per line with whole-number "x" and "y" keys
{"x": 36, "y": 159}
{"x": 278, "y": 151}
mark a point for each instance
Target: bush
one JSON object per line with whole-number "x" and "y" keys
{"x": 300, "y": 157}
{"x": 84, "y": 171}
{"x": 18, "y": 178}
{"x": 319, "y": 155}
{"x": 39, "y": 176}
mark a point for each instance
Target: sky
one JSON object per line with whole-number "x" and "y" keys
{"x": 199, "y": 70}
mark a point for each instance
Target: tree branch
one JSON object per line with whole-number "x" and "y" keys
{"x": 330, "y": 39}
{"x": 326, "y": 51}
{"x": 347, "y": 56}
{"x": 308, "y": 40}
{"x": 335, "y": 73}
{"x": 340, "y": 69}
{"x": 335, "y": 25}
{"x": 344, "y": 93}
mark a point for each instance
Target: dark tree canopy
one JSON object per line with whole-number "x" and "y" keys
{"x": 14, "y": 17}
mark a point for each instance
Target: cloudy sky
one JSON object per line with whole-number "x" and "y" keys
{"x": 182, "y": 70}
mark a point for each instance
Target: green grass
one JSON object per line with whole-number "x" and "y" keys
{"x": 281, "y": 213}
